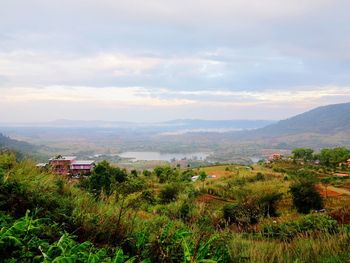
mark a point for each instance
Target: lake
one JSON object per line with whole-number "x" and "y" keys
{"x": 157, "y": 156}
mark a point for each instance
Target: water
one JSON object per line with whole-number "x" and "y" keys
{"x": 157, "y": 156}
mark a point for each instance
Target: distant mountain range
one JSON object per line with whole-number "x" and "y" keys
{"x": 173, "y": 125}
{"x": 325, "y": 126}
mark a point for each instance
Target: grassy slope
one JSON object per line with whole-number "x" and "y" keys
{"x": 97, "y": 220}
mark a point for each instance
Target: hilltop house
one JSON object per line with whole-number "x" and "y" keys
{"x": 274, "y": 157}
{"x": 68, "y": 165}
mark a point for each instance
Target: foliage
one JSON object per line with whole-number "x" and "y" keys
{"x": 144, "y": 219}
{"x": 312, "y": 223}
{"x": 242, "y": 214}
{"x": 169, "y": 193}
{"x": 305, "y": 196}
{"x": 304, "y": 154}
{"x": 103, "y": 176}
{"x": 22, "y": 240}
{"x": 260, "y": 177}
{"x": 333, "y": 157}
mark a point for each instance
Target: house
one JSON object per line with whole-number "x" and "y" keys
{"x": 69, "y": 165}
{"x": 81, "y": 167}
{"x": 348, "y": 162}
{"x": 275, "y": 156}
{"x": 61, "y": 164}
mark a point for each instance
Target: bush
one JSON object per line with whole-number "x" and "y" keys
{"x": 169, "y": 193}
{"x": 342, "y": 215}
{"x": 148, "y": 196}
{"x": 24, "y": 240}
{"x": 306, "y": 225}
{"x": 268, "y": 203}
{"x": 241, "y": 214}
{"x": 305, "y": 196}
{"x": 260, "y": 177}
{"x": 184, "y": 211}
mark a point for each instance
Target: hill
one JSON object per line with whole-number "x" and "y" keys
{"x": 8, "y": 143}
{"x": 328, "y": 119}
{"x": 325, "y": 126}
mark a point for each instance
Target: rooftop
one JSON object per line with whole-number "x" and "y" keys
{"x": 83, "y": 162}
{"x": 66, "y": 158}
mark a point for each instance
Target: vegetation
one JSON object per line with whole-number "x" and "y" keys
{"x": 242, "y": 214}
{"x": 306, "y": 197}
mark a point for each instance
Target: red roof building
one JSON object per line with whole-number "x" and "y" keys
{"x": 81, "y": 167}
{"x": 68, "y": 165}
{"x": 275, "y": 156}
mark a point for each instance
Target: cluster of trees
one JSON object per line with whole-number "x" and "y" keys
{"x": 330, "y": 157}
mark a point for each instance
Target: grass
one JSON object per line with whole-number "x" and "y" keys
{"x": 174, "y": 231}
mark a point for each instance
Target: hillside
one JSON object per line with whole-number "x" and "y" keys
{"x": 326, "y": 120}
{"x": 233, "y": 213}
{"x": 8, "y": 143}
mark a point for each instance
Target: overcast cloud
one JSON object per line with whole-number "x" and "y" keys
{"x": 159, "y": 60}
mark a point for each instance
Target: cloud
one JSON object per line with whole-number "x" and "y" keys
{"x": 181, "y": 55}
{"x": 113, "y": 96}
{"x": 141, "y": 96}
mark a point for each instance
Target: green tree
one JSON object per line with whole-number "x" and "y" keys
{"x": 202, "y": 176}
{"x": 333, "y": 157}
{"x": 304, "y": 154}
{"x": 104, "y": 176}
{"x": 305, "y": 196}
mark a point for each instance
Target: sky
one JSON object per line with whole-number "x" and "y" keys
{"x": 157, "y": 60}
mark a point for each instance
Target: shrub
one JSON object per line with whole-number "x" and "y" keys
{"x": 184, "y": 211}
{"x": 24, "y": 240}
{"x": 305, "y": 196}
{"x": 260, "y": 177}
{"x": 309, "y": 224}
{"x": 241, "y": 214}
{"x": 169, "y": 193}
{"x": 342, "y": 215}
{"x": 268, "y": 203}
{"x": 146, "y": 173}
{"x": 148, "y": 196}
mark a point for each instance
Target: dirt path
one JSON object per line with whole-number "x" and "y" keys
{"x": 339, "y": 190}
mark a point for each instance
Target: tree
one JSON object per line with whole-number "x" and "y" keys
{"x": 104, "y": 176}
{"x": 166, "y": 173}
{"x": 326, "y": 181}
{"x": 333, "y": 157}
{"x": 202, "y": 176}
{"x": 304, "y": 154}
{"x": 305, "y": 196}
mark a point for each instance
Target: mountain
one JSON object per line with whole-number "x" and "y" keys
{"x": 156, "y": 127}
{"x": 8, "y": 143}
{"x": 326, "y": 120}
{"x": 217, "y": 124}
{"x": 326, "y": 126}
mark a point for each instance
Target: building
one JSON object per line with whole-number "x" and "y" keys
{"x": 68, "y": 165}
{"x": 42, "y": 165}
{"x": 348, "y": 162}
{"x": 81, "y": 167}
{"x": 274, "y": 157}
